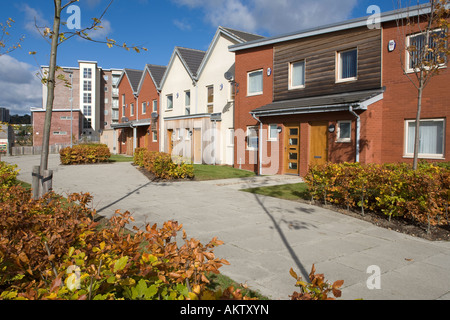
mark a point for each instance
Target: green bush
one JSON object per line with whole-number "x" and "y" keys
{"x": 84, "y": 154}
{"x": 8, "y": 174}
{"x": 162, "y": 165}
{"x": 395, "y": 190}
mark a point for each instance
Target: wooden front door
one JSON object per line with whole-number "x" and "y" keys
{"x": 169, "y": 141}
{"x": 292, "y": 149}
{"x": 318, "y": 150}
{"x": 198, "y": 146}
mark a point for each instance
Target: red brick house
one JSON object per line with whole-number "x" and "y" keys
{"x": 333, "y": 94}
{"x": 139, "y": 109}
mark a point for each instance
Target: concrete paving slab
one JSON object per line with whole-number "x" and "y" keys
{"x": 264, "y": 237}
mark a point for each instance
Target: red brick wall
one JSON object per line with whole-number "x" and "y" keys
{"x": 57, "y": 125}
{"x": 400, "y": 100}
{"x": 246, "y": 61}
{"x": 148, "y": 94}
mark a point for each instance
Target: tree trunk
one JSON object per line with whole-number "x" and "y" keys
{"x": 50, "y": 96}
{"x": 417, "y": 133}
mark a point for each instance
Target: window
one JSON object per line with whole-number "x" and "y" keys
{"x": 431, "y": 138}
{"x": 179, "y": 134}
{"x": 123, "y": 110}
{"x": 87, "y": 73}
{"x": 252, "y": 138}
{"x": 87, "y": 98}
{"x": 347, "y": 65}
{"x": 232, "y": 91}
{"x": 66, "y": 118}
{"x": 87, "y": 85}
{"x": 144, "y": 107}
{"x": 297, "y": 75}
{"x": 106, "y": 89}
{"x": 155, "y": 105}
{"x": 187, "y": 134}
{"x": 132, "y": 109}
{"x": 231, "y": 137}
{"x": 255, "y": 83}
{"x": 273, "y": 132}
{"x": 210, "y": 99}
{"x": 416, "y": 56}
{"x": 187, "y": 102}
{"x": 87, "y": 111}
{"x": 344, "y": 131}
{"x": 59, "y": 133}
{"x": 155, "y": 136}
{"x": 87, "y": 124}
{"x": 169, "y": 102}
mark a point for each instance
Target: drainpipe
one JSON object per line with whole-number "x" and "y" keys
{"x": 358, "y": 131}
{"x": 259, "y": 142}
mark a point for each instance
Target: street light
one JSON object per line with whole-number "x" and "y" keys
{"x": 70, "y": 72}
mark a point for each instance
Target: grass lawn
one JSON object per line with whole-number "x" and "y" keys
{"x": 288, "y": 191}
{"x": 209, "y": 172}
{"x": 120, "y": 158}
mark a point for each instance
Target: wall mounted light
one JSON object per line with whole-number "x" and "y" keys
{"x": 331, "y": 128}
{"x": 280, "y": 129}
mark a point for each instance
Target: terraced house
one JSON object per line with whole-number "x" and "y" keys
{"x": 197, "y": 100}
{"x": 335, "y": 93}
{"x": 139, "y": 107}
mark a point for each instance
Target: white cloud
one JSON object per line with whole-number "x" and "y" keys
{"x": 182, "y": 25}
{"x": 19, "y": 85}
{"x": 33, "y": 19}
{"x": 101, "y": 33}
{"x": 273, "y": 17}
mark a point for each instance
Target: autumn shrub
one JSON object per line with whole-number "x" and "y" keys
{"x": 317, "y": 288}
{"x": 395, "y": 190}
{"x": 53, "y": 249}
{"x": 8, "y": 174}
{"x": 162, "y": 165}
{"x": 85, "y": 154}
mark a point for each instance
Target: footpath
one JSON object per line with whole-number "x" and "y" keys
{"x": 264, "y": 236}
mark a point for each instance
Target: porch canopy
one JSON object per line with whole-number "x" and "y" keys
{"x": 358, "y": 100}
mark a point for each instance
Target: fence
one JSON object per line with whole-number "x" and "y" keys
{"x": 18, "y": 151}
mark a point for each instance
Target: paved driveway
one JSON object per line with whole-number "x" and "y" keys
{"x": 264, "y": 237}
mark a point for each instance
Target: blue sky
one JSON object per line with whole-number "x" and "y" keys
{"x": 158, "y": 25}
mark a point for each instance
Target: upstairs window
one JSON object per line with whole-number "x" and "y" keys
{"x": 210, "y": 99}
{"x": 347, "y": 65}
{"x": 418, "y": 54}
{"x": 297, "y": 75}
{"x": 255, "y": 83}
{"x": 87, "y": 73}
{"x": 169, "y": 102}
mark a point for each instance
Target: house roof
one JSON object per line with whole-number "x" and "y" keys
{"x": 156, "y": 74}
{"x": 242, "y": 35}
{"x": 192, "y": 58}
{"x": 344, "y": 25}
{"x": 328, "y": 103}
{"x": 133, "y": 76}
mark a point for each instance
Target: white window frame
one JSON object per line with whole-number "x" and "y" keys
{"x": 167, "y": 102}
{"x": 87, "y": 97}
{"x": 269, "y": 134}
{"x": 425, "y": 155}
{"x": 408, "y": 55}
{"x": 155, "y": 105}
{"x": 144, "y": 107}
{"x": 154, "y": 134}
{"x": 291, "y": 73}
{"x": 187, "y": 135}
{"x": 248, "y": 138}
{"x": 87, "y": 85}
{"x": 131, "y": 109}
{"x": 87, "y": 73}
{"x": 338, "y": 132}
{"x": 339, "y": 66}
{"x": 249, "y": 94}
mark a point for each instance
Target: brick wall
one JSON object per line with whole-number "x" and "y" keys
{"x": 246, "y": 61}
{"x": 58, "y": 125}
{"x": 147, "y": 94}
{"x": 400, "y": 99}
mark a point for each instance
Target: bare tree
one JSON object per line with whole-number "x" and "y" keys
{"x": 425, "y": 34}
{"x": 56, "y": 38}
{"x": 4, "y": 38}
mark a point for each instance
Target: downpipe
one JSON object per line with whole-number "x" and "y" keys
{"x": 358, "y": 131}
{"x": 259, "y": 143}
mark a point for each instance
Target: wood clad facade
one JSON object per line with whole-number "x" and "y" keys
{"x": 320, "y": 56}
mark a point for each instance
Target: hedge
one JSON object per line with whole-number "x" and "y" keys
{"x": 395, "y": 190}
{"x": 53, "y": 249}
{"x": 162, "y": 165}
{"x": 84, "y": 154}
